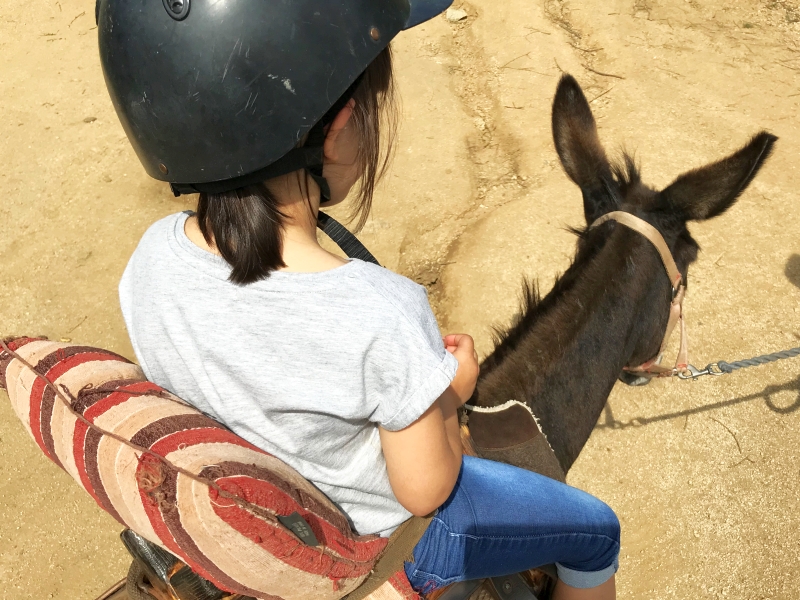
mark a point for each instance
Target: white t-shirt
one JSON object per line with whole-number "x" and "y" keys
{"x": 303, "y": 365}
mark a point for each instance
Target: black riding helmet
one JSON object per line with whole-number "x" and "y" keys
{"x": 215, "y": 95}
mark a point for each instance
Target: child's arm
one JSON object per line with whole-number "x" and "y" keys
{"x": 424, "y": 459}
{"x": 461, "y": 346}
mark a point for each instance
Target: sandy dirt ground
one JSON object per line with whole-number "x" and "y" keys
{"x": 705, "y": 476}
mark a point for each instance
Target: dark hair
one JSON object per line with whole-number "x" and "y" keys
{"x": 246, "y": 225}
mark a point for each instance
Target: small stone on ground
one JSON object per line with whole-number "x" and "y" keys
{"x": 454, "y": 15}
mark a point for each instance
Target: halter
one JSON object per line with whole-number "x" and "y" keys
{"x": 652, "y": 368}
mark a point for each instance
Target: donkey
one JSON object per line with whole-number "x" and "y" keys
{"x": 610, "y": 309}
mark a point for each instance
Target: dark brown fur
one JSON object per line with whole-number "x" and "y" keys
{"x": 565, "y": 351}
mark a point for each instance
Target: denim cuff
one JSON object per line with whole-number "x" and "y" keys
{"x": 586, "y": 579}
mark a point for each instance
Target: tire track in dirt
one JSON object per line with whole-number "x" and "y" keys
{"x": 495, "y": 147}
{"x": 559, "y": 14}
{"x": 492, "y": 149}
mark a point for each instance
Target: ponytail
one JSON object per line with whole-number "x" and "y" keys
{"x": 247, "y": 228}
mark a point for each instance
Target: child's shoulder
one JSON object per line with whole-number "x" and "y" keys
{"x": 157, "y": 235}
{"x": 388, "y": 284}
{"x": 164, "y": 226}
{"x": 402, "y": 294}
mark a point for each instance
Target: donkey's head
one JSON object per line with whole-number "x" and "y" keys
{"x": 694, "y": 196}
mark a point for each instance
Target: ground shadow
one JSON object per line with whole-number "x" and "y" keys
{"x": 609, "y": 422}
{"x": 792, "y": 270}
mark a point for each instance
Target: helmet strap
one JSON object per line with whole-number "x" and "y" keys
{"x": 316, "y": 137}
{"x": 294, "y": 160}
{"x": 316, "y": 140}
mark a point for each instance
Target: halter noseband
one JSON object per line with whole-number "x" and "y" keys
{"x": 652, "y": 368}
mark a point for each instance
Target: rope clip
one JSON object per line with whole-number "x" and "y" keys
{"x": 692, "y": 372}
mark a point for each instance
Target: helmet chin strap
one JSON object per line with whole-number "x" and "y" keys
{"x": 316, "y": 137}
{"x": 316, "y": 140}
{"x": 310, "y": 157}
{"x": 307, "y": 158}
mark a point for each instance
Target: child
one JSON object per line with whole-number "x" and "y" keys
{"x": 335, "y": 366}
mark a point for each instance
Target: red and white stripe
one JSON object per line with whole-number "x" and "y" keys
{"x": 228, "y": 542}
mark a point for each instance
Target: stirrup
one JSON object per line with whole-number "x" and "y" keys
{"x": 462, "y": 590}
{"x": 511, "y": 587}
{"x": 167, "y": 575}
{"x": 536, "y": 584}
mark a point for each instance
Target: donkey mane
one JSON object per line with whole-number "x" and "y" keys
{"x": 626, "y": 173}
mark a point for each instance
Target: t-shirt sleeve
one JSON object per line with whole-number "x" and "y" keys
{"x": 407, "y": 366}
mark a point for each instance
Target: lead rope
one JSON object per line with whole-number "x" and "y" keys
{"x": 723, "y": 368}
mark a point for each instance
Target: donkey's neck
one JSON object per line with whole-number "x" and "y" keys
{"x": 566, "y": 352}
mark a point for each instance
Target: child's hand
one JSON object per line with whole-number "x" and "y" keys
{"x": 462, "y": 347}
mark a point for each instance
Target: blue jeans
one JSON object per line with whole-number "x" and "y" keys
{"x": 501, "y": 520}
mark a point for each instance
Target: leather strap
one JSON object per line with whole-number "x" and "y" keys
{"x": 652, "y": 234}
{"x": 399, "y": 551}
{"x": 677, "y": 313}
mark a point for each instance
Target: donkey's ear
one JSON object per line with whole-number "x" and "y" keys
{"x": 711, "y": 190}
{"x": 580, "y": 151}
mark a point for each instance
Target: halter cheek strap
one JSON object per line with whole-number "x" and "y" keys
{"x": 677, "y": 313}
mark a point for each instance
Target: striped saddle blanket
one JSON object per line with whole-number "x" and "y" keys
{"x": 183, "y": 481}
